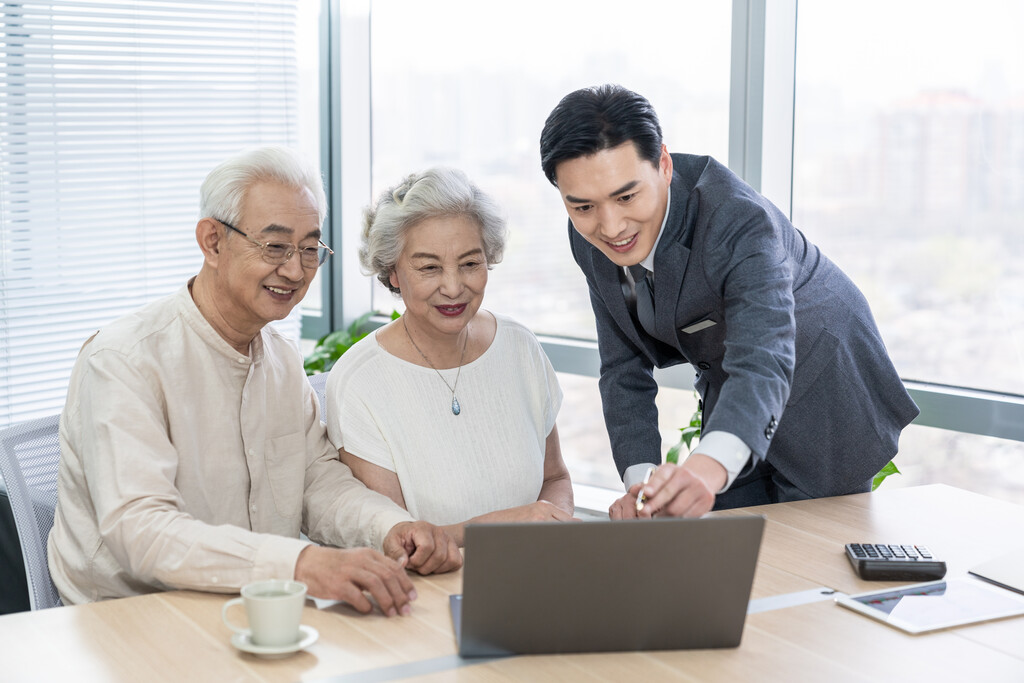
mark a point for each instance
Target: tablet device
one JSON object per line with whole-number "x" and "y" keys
{"x": 1006, "y": 571}
{"x": 923, "y": 607}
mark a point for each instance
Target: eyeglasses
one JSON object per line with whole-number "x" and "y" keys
{"x": 278, "y": 253}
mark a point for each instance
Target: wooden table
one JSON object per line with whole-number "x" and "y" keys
{"x": 179, "y": 636}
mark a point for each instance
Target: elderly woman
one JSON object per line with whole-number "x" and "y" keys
{"x": 450, "y": 409}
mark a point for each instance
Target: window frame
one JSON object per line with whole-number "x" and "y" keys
{"x": 762, "y": 91}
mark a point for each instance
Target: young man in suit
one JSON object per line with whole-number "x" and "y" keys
{"x": 687, "y": 263}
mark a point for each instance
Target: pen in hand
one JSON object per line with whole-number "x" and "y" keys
{"x": 640, "y": 497}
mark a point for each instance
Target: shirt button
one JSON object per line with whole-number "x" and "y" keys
{"x": 250, "y": 452}
{"x": 704, "y": 365}
{"x": 242, "y": 360}
{"x": 254, "y": 508}
{"x": 214, "y": 579}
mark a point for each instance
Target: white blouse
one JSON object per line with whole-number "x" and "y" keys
{"x": 398, "y": 415}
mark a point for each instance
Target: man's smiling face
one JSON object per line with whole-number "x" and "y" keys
{"x": 616, "y": 200}
{"x": 251, "y": 291}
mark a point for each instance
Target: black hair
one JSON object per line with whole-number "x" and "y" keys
{"x": 589, "y": 120}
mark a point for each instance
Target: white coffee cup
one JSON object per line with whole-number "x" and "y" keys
{"x": 274, "y": 608}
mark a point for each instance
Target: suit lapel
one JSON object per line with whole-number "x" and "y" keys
{"x": 669, "y": 269}
{"x": 670, "y": 262}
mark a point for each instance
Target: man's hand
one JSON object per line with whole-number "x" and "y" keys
{"x": 625, "y": 507}
{"x": 422, "y": 547}
{"x": 337, "y": 574}
{"x": 686, "y": 490}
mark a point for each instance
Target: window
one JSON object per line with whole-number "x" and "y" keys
{"x": 469, "y": 84}
{"x": 111, "y": 114}
{"x": 909, "y": 172}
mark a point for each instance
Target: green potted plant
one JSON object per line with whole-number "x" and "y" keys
{"x": 329, "y": 347}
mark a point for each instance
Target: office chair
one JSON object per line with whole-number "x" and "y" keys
{"x": 29, "y": 455}
{"x": 319, "y": 384}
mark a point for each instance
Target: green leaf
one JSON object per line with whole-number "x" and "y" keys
{"x": 890, "y": 468}
{"x": 355, "y": 329}
{"x": 688, "y": 435}
{"x": 330, "y": 347}
{"x": 335, "y": 338}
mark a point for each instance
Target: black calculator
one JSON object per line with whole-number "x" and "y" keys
{"x": 892, "y": 562}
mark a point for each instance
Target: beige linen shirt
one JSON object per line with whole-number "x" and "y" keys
{"x": 185, "y": 464}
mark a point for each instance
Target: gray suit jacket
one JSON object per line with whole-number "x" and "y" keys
{"x": 793, "y": 363}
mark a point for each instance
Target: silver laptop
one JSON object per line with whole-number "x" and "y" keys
{"x": 661, "y": 584}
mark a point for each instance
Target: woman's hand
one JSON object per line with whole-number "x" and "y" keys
{"x": 541, "y": 511}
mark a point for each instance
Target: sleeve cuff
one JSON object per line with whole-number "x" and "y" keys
{"x": 635, "y": 474}
{"x": 276, "y": 557}
{"x": 383, "y": 522}
{"x": 728, "y": 449}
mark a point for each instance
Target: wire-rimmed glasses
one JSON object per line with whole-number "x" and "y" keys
{"x": 278, "y": 253}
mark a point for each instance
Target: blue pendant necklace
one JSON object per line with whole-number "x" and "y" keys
{"x": 456, "y": 407}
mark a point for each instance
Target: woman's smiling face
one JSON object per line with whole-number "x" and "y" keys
{"x": 442, "y": 274}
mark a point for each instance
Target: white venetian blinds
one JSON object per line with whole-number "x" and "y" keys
{"x": 111, "y": 114}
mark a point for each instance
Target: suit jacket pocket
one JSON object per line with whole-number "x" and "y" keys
{"x": 286, "y": 472}
{"x": 701, "y": 323}
{"x": 808, "y": 369}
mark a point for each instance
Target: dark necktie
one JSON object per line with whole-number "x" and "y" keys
{"x": 644, "y": 284}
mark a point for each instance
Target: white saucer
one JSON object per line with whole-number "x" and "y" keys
{"x": 307, "y": 636}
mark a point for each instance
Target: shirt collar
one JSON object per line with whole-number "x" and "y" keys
{"x": 648, "y": 263}
{"x": 198, "y": 322}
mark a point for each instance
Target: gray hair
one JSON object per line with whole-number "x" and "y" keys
{"x": 433, "y": 193}
{"x": 223, "y": 192}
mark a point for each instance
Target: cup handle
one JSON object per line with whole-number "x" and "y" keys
{"x": 227, "y": 622}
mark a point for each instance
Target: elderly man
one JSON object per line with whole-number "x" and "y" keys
{"x": 192, "y": 452}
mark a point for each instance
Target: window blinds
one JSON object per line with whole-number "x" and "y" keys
{"x": 111, "y": 114}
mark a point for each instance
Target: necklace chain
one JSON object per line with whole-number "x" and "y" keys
{"x": 456, "y": 407}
